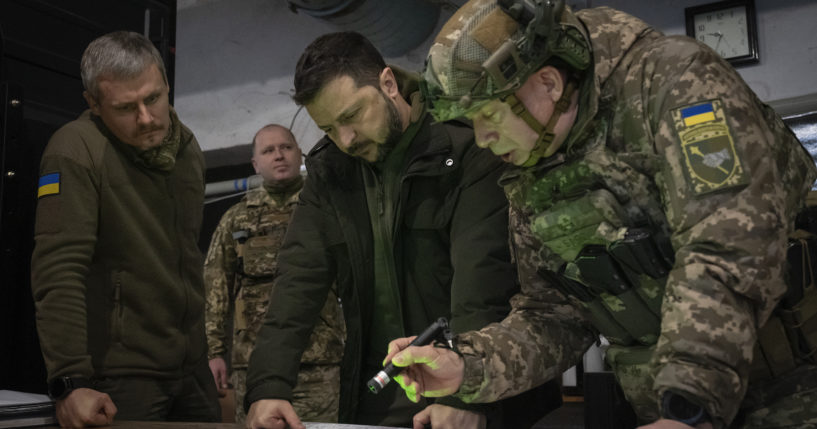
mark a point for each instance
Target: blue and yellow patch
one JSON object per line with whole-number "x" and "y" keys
{"x": 49, "y": 185}
{"x": 711, "y": 160}
{"x": 698, "y": 114}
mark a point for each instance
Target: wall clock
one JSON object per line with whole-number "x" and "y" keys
{"x": 729, "y": 27}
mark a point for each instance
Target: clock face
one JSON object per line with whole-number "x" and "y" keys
{"x": 726, "y": 31}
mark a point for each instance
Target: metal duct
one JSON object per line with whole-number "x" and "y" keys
{"x": 238, "y": 186}
{"x": 394, "y": 26}
{"x": 243, "y": 184}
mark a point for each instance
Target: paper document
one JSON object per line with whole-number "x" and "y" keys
{"x": 20, "y": 409}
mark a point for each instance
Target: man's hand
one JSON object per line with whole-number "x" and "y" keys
{"x": 85, "y": 407}
{"x": 219, "y": 369}
{"x": 672, "y": 424}
{"x": 429, "y": 371}
{"x": 272, "y": 414}
{"x": 445, "y": 417}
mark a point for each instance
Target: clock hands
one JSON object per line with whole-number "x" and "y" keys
{"x": 720, "y": 37}
{"x": 727, "y": 27}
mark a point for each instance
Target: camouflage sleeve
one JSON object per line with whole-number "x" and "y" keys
{"x": 732, "y": 182}
{"x": 327, "y": 339}
{"x": 219, "y": 275}
{"x": 306, "y": 273}
{"x": 542, "y": 336}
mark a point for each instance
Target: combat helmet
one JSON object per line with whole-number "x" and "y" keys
{"x": 487, "y": 50}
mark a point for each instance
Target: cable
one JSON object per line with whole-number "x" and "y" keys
{"x": 224, "y": 197}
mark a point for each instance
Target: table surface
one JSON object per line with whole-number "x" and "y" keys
{"x": 182, "y": 425}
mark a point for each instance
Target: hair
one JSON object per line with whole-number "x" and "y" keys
{"x": 118, "y": 55}
{"x": 272, "y": 127}
{"x": 333, "y": 55}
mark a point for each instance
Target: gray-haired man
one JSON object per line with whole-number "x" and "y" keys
{"x": 116, "y": 271}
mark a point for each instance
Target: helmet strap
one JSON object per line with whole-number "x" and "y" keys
{"x": 546, "y": 134}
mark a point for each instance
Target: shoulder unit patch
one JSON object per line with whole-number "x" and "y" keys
{"x": 711, "y": 160}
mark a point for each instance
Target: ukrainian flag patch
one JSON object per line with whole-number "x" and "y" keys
{"x": 698, "y": 114}
{"x": 49, "y": 185}
{"x": 710, "y": 157}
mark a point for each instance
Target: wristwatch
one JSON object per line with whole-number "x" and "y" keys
{"x": 678, "y": 408}
{"x": 60, "y": 387}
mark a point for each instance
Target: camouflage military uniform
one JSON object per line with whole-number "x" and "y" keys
{"x": 239, "y": 272}
{"x": 669, "y": 140}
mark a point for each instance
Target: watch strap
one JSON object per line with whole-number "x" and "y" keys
{"x": 60, "y": 387}
{"x": 677, "y": 407}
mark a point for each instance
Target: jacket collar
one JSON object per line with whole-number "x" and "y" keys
{"x": 431, "y": 153}
{"x": 258, "y": 197}
{"x": 430, "y": 150}
{"x": 613, "y": 35}
{"x": 185, "y": 136}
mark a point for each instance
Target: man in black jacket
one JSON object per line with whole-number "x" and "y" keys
{"x": 405, "y": 215}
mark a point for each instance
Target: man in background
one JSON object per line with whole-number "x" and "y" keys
{"x": 116, "y": 270}
{"x": 239, "y": 272}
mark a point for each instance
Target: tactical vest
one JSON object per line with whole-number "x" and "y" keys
{"x": 256, "y": 245}
{"x": 605, "y": 246}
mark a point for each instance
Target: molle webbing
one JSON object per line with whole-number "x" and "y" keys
{"x": 568, "y": 181}
{"x": 626, "y": 280}
{"x": 600, "y": 251}
{"x": 798, "y": 308}
{"x": 789, "y": 337}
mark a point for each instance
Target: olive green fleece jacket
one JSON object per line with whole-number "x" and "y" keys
{"x": 116, "y": 271}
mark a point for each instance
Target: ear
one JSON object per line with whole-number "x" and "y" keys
{"x": 552, "y": 82}
{"x": 254, "y": 165}
{"x": 388, "y": 83}
{"x": 92, "y": 103}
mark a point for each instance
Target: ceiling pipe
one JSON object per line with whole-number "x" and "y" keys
{"x": 393, "y": 26}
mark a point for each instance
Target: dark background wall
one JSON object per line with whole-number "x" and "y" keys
{"x": 40, "y": 88}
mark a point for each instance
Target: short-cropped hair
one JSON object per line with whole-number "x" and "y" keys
{"x": 334, "y": 55}
{"x": 118, "y": 55}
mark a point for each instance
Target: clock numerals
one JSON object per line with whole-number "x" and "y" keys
{"x": 727, "y": 27}
{"x": 723, "y": 31}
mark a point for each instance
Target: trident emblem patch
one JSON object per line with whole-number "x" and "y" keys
{"x": 710, "y": 157}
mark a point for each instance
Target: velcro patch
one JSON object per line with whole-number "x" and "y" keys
{"x": 494, "y": 30}
{"x": 711, "y": 160}
{"x": 49, "y": 184}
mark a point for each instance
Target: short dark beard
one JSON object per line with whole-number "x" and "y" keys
{"x": 395, "y": 133}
